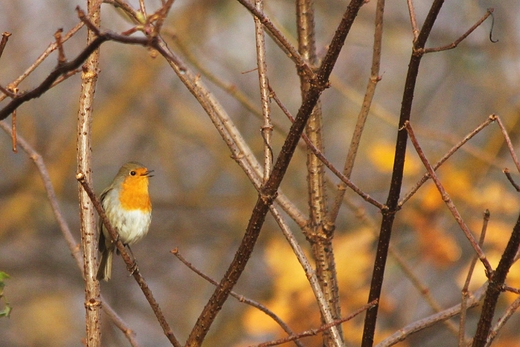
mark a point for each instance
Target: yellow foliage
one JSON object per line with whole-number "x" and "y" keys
{"x": 293, "y": 299}
{"x": 382, "y": 156}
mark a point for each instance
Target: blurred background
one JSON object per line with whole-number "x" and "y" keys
{"x": 202, "y": 200}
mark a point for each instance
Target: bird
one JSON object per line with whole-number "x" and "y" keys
{"x": 128, "y": 208}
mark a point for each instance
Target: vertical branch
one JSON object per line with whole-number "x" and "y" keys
{"x": 88, "y": 223}
{"x": 495, "y": 287}
{"x": 465, "y": 290}
{"x": 269, "y": 190}
{"x": 397, "y": 174}
{"x": 365, "y": 108}
{"x": 319, "y": 236}
{"x": 267, "y": 127}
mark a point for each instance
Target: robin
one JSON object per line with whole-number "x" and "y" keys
{"x": 129, "y": 210}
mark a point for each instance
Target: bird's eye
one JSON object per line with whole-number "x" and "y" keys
{"x": 133, "y": 173}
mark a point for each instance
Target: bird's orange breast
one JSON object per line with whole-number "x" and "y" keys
{"x": 134, "y": 194}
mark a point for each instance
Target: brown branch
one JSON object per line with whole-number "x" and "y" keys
{"x": 509, "y": 144}
{"x": 314, "y": 332}
{"x": 325, "y": 161}
{"x": 269, "y": 190}
{"x": 502, "y": 321}
{"x": 449, "y": 203}
{"x": 261, "y": 62}
{"x": 319, "y": 231}
{"x": 3, "y": 42}
{"x": 495, "y": 287}
{"x": 13, "y": 131}
{"x": 47, "y": 83}
{"x": 397, "y": 174}
{"x": 69, "y": 66}
{"x": 511, "y": 180}
{"x": 429, "y": 321}
{"x": 465, "y": 290}
{"x": 413, "y": 20}
{"x": 280, "y": 39}
{"x": 239, "y": 297}
{"x": 131, "y": 264}
{"x": 83, "y": 160}
{"x": 363, "y": 112}
{"x": 461, "y": 38}
{"x": 452, "y": 151}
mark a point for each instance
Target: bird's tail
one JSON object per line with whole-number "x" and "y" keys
{"x": 105, "y": 266}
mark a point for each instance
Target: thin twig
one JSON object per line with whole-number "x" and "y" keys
{"x": 458, "y": 145}
{"x": 3, "y": 42}
{"x": 364, "y": 111}
{"x": 511, "y": 309}
{"x": 59, "y": 43}
{"x": 465, "y": 288}
{"x": 239, "y": 297}
{"x": 314, "y": 332}
{"x": 511, "y": 180}
{"x": 51, "y": 48}
{"x": 267, "y": 127}
{"x": 429, "y": 321}
{"x": 413, "y": 19}
{"x": 327, "y": 163}
{"x": 461, "y": 38}
{"x": 13, "y": 131}
{"x": 280, "y": 39}
{"x": 508, "y": 142}
{"x": 447, "y": 200}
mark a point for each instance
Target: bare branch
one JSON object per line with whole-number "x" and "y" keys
{"x": 3, "y": 42}
{"x": 456, "y": 147}
{"x": 449, "y": 203}
{"x": 327, "y": 163}
{"x": 239, "y": 297}
{"x": 313, "y": 332}
{"x": 465, "y": 288}
{"x": 269, "y": 190}
{"x": 365, "y": 109}
{"x": 461, "y": 38}
{"x": 427, "y": 322}
{"x": 413, "y": 19}
{"x": 280, "y": 39}
{"x": 397, "y": 174}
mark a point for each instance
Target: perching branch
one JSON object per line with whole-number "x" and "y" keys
{"x": 131, "y": 265}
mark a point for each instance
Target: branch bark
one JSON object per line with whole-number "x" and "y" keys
{"x": 84, "y": 154}
{"x": 397, "y": 174}
{"x": 268, "y": 192}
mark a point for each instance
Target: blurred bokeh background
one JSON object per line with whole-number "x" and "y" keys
{"x": 202, "y": 200}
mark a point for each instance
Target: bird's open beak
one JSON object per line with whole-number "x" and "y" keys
{"x": 148, "y": 173}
